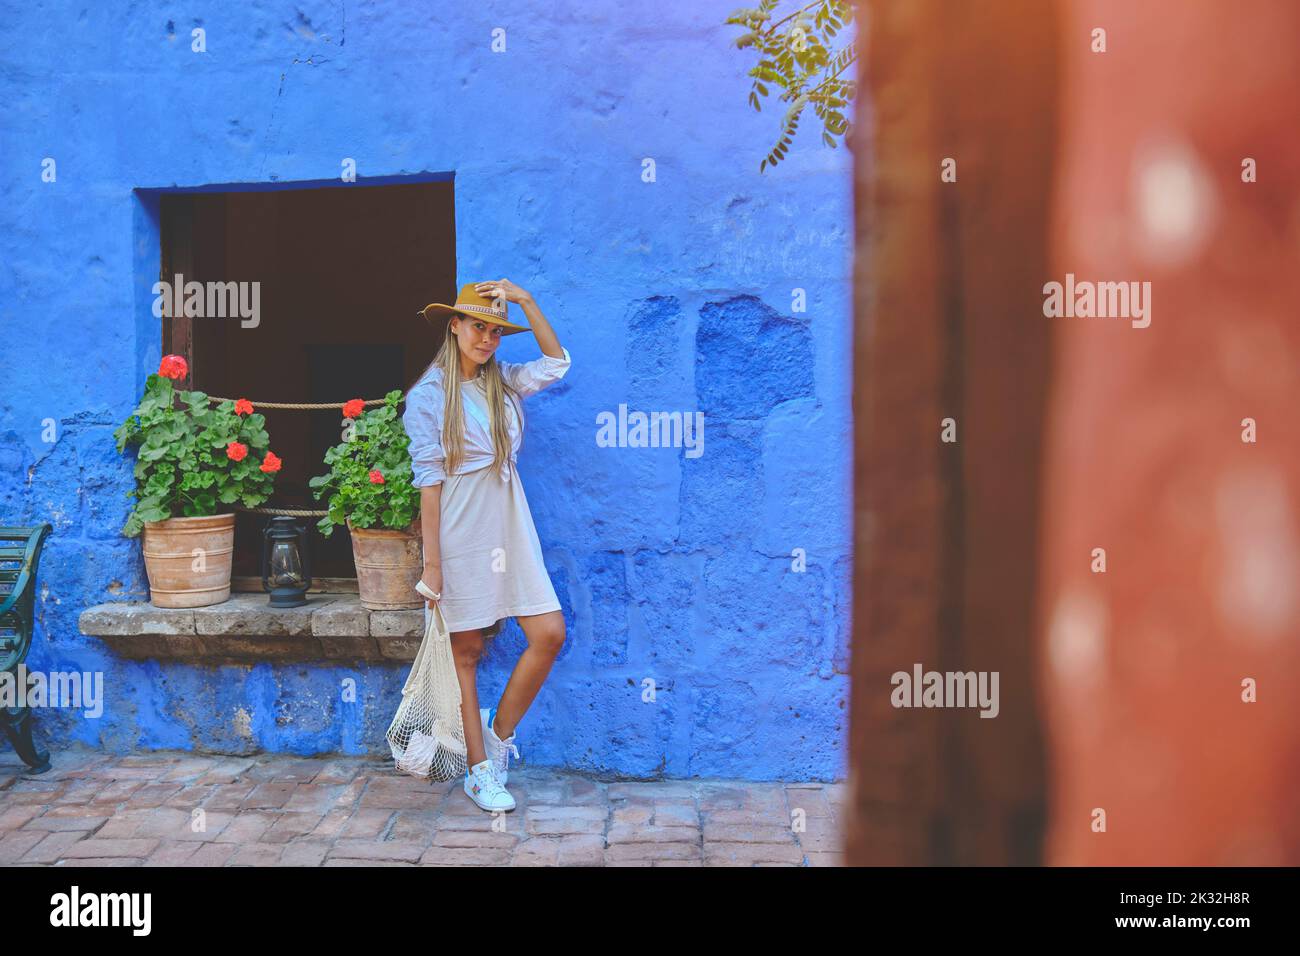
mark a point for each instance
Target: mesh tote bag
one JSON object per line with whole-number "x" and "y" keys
{"x": 427, "y": 735}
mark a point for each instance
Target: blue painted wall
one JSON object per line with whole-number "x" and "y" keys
{"x": 674, "y": 295}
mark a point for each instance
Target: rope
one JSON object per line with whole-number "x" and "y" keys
{"x": 309, "y": 406}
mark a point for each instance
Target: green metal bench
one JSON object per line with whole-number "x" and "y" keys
{"x": 20, "y": 552}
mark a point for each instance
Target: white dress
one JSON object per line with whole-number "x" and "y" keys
{"x": 492, "y": 565}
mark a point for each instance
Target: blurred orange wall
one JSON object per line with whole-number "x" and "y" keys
{"x": 1143, "y": 664}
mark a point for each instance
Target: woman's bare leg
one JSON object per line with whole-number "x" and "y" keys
{"x": 545, "y": 633}
{"x": 466, "y": 649}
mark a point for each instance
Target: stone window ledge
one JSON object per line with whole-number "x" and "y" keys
{"x": 330, "y": 628}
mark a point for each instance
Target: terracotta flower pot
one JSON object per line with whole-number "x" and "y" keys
{"x": 389, "y": 563}
{"x": 188, "y": 560}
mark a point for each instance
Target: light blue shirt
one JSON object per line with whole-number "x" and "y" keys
{"x": 422, "y": 418}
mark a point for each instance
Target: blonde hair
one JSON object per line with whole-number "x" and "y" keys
{"x": 453, "y": 413}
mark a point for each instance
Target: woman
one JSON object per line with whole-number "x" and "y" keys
{"x": 465, "y": 418}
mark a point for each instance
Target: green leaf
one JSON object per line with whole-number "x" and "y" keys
{"x": 151, "y": 509}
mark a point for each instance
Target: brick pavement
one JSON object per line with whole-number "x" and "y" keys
{"x": 169, "y": 808}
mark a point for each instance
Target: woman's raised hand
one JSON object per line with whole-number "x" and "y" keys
{"x": 504, "y": 288}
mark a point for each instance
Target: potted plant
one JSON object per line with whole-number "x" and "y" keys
{"x": 193, "y": 462}
{"x": 370, "y": 490}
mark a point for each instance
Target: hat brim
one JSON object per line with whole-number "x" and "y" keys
{"x": 437, "y": 312}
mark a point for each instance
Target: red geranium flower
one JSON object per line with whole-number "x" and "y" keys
{"x": 235, "y": 451}
{"x": 243, "y": 406}
{"x": 271, "y": 464}
{"x": 353, "y": 408}
{"x": 376, "y": 477}
{"x": 173, "y": 366}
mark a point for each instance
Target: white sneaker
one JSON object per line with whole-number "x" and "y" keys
{"x": 485, "y": 789}
{"x": 498, "y": 750}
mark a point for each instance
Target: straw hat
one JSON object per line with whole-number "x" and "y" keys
{"x": 471, "y": 305}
